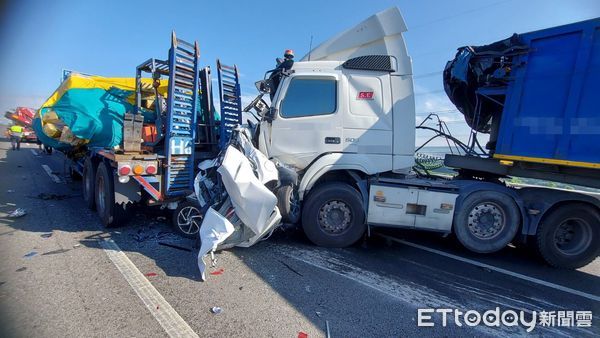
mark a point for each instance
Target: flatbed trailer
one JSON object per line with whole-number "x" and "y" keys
{"x": 160, "y": 171}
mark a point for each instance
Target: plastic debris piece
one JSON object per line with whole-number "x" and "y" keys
{"x": 216, "y": 310}
{"x": 10, "y": 191}
{"x": 327, "y": 329}
{"x": 161, "y": 218}
{"x": 302, "y": 334}
{"x": 76, "y": 245}
{"x": 20, "y": 212}
{"x": 47, "y": 235}
{"x": 54, "y": 252}
{"x": 23, "y": 268}
{"x": 218, "y": 272}
{"x": 30, "y": 254}
{"x": 318, "y": 313}
{"x": 151, "y": 274}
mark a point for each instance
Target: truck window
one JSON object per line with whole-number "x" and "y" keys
{"x": 309, "y": 97}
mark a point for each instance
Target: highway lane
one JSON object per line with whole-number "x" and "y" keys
{"x": 280, "y": 287}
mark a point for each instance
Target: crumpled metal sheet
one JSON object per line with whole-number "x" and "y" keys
{"x": 265, "y": 169}
{"x": 214, "y": 230}
{"x": 249, "y": 213}
{"x": 252, "y": 201}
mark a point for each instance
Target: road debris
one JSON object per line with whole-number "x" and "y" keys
{"x": 21, "y": 269}
{"x": 54, "y": 252}
{"x": 151, "y": 274}
{"x": 49, "y": 196}
{"x": 161, "y": 218}
{"x": 47, "y": 235}
{"x": 30, "y": 254}
{"x": 302, "y": 334}
{"x": 218, "y": 272}
{"x": 328, "y": 335}
{"x": 175, "y": 246}
{"x": 216, "y": 310}
{"x": 10, "y": 191}
{"x": 76, "y": 245}
{"x": 20, "y": 212}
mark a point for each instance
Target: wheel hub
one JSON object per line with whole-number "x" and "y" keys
{"x": 189, "y": 220}
{"x": 572, "y": 236}
{"x": 486, "y": 220}
{"x": 335, "y": 217}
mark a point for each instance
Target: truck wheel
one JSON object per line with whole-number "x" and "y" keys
{"x": 569, "y": 236}
{"x": 333, "y": 215}
{"x": 110, "y": 213}
{"x": 288, "y": 204}
{"x": 89, "y": 183}
{"x": 487, "y": 221}
{"x": 187, "y": 219}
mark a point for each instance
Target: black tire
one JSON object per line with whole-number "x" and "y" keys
{"x": 73, "y": 174}
{"x": 89, "y": 184}
{"x": 288, "y": 204}
{"x": 111, "y": 213}
{"x": 323, "y": 211}
{"x": 187, "y": 218}
{"x": 487, "y": 221}
{"x": 569, "y": 236}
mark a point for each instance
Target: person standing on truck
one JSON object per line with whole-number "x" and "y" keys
{"x": 283, "y": 65}
{"x": 16, "y": 134}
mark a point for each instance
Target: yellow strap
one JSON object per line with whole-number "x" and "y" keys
{"x": 548, "y": 161}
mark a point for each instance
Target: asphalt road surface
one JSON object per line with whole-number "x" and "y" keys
{"x": 63, "y": 274}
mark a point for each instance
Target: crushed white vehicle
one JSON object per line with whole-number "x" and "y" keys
{"x": 240, "y": 208}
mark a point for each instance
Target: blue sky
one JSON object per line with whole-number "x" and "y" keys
{"x": 40, "y": 38}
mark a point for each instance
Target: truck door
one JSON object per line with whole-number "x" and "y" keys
{"x": 307, "y": 123}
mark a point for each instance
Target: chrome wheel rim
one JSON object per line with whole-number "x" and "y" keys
{"x": 486, "y": 220}
{"x": 189, "y": 220}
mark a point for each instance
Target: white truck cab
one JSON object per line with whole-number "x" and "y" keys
{"x": 351, "y": 107}
{"x": 341, "y": 127}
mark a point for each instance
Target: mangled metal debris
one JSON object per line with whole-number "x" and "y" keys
{"x": 241, "y": 209}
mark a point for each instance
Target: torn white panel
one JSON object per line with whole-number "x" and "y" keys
{"x": 271, "y": 225}
{"x": 214, "y": 230}
{"x": 265, "y": 169}
{"x": 252, "y": 201}
{"x": 207, "y": 164}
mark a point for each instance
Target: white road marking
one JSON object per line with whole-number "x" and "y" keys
{"x": 35, "y": 153}
{"x": 497, "y": 269}
{"x": 162, "y": 311}
{"x": 55, "y": 178}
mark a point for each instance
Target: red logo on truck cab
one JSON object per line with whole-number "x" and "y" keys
{"x": 365, "y": 96}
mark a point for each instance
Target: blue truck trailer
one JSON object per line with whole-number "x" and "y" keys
{"x": 154, "y": 168}
{"x": 537, "y": 95}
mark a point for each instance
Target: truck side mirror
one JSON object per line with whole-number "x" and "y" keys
{"x": 262, "y": 86}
